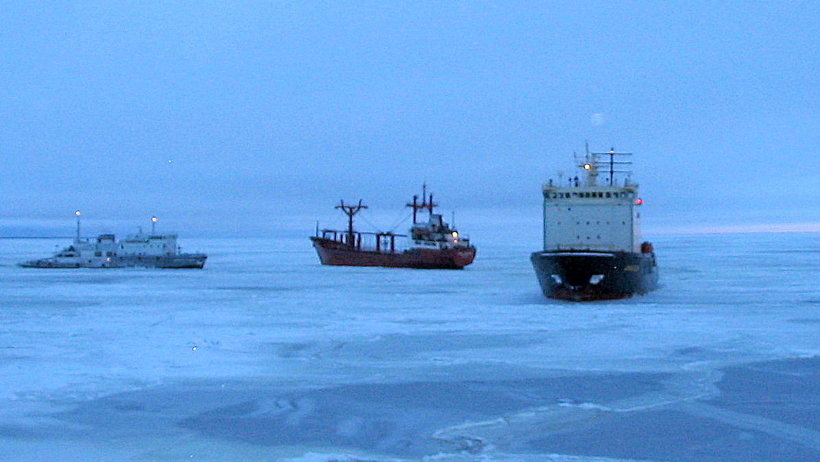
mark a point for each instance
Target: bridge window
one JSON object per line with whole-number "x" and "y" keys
{"x": 608, "y": 194}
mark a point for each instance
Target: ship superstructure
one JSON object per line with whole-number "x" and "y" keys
{"x": 150, "y": 250}
{"x": 592, "y": 236}
{"x": 431, "y": 244}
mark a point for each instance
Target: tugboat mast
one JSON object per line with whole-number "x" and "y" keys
{"x": 78, "y": 213}
{"x": 350, "y": 211}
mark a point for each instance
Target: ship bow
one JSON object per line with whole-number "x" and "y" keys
{"x": 586, "y": 276}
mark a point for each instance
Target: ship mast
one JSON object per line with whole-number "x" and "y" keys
{"x": 424, "y": 202}
{"x": 613, "y": 163}
{"x": 78, "y": 213}
{"x": 350, "y": 211}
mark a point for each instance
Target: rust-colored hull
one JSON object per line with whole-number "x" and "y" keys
{"x": 340, "y": 254}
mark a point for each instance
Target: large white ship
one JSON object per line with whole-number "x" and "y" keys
{"x": 148, "y": 250}
{"x": 592, "y": 236}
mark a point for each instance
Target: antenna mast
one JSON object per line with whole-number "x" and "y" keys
{"x": 424, "y": 202}
{"x": 78, "y": 213}
{"x": 612, "y": 163}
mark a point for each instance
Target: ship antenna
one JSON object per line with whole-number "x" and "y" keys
{"x": 611, "y": 164}
{"x": 350, "y": 210}
{"x": 415, "y": 206}
{"x": 77, "y": 213}
{"x": 424, "y": 193}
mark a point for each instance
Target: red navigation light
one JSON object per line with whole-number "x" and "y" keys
{"x": 638, "y": 201}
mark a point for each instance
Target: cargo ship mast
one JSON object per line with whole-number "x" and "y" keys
{"x": 350, "y": 211}
{"x": 424, "y": 203}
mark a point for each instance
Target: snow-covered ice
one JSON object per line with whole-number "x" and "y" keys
{"x": 267, "y": 355}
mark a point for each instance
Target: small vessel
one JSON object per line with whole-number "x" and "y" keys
{"x": 433, "y": 244}
{"x": 592, "y": 237}
{"x": 138, "y": 250}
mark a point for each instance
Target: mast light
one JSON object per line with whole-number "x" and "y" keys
{"x": 638, "y": 201}
{"x": 587, "y": 167}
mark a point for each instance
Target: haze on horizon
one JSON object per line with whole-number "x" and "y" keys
{"x": 259, "y": 112}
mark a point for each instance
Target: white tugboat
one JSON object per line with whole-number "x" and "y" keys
{"x": 592, "y": 238}
{"x": 138, "y": 250}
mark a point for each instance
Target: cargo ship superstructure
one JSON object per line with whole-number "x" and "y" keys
{"x": 592, "y": 247}
{"x": 431, "y": 244}
{"x": 145, "y": 250}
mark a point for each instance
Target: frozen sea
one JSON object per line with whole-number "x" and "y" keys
{"x": 266, "y": 355}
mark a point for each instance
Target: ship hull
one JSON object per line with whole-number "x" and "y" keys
{"x": 586, "y": 276}
{"x": 339, "y": 254}
{"x": 181, "y": 261}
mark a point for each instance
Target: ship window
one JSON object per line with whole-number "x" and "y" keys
{"x": 608, "y": 194}
{"x": 98, "y": 254}
{"x": 574, "y": 194}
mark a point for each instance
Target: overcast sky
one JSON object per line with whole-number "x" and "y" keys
{"x": 237, "y": 111}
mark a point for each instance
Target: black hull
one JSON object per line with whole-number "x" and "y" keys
{"x": 584, "y": 275}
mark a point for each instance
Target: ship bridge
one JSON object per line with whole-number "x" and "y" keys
{"x": 586, "y": 213}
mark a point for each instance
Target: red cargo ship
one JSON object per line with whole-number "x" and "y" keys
{"x": 430, "y": 245}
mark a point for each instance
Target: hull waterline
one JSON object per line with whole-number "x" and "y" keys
{"x": 589, "y": 276}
